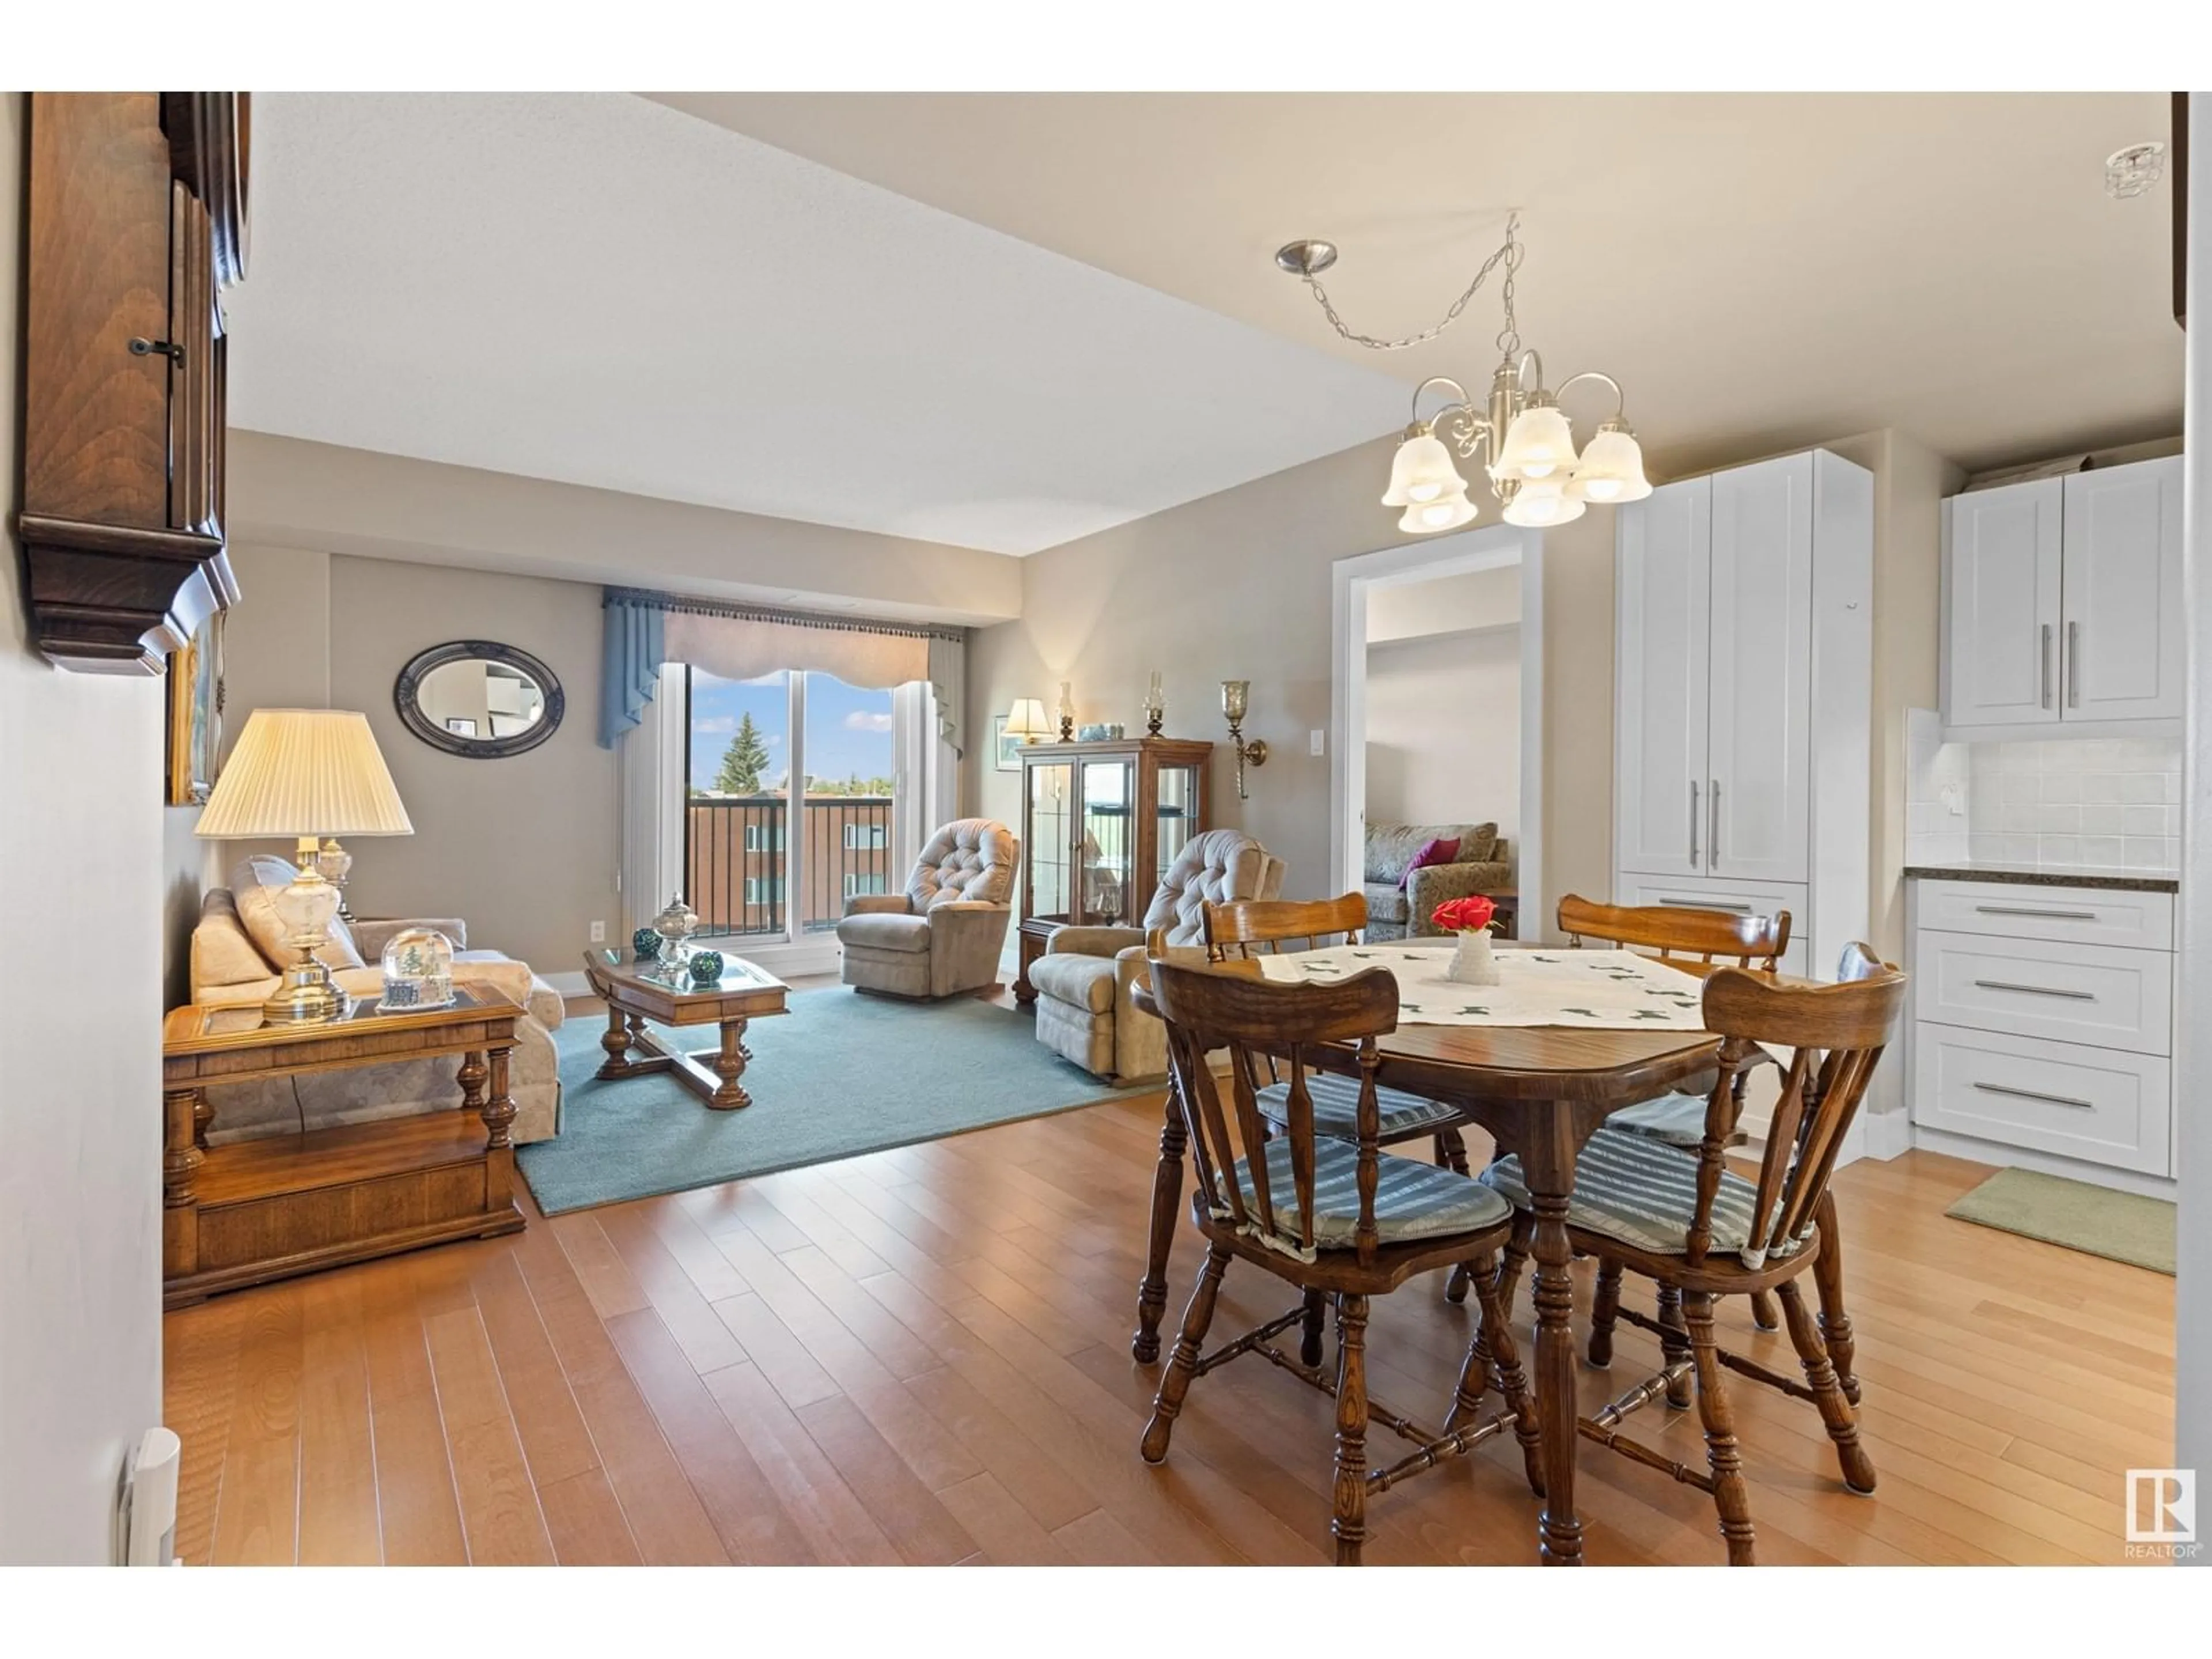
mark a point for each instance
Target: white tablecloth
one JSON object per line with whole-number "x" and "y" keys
{"x": 1609, "y": 990}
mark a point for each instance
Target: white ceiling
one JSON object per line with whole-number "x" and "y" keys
{"x": 1759, "y": 270}
{"x": 598, "y": 289}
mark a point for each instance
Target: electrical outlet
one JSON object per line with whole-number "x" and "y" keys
{"x": 598, "y": 932}
{"x": 1316, "y": 743}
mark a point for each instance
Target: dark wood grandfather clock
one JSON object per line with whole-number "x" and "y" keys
{"x": 135, "y": 223}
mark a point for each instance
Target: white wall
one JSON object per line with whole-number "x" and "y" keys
{"x": 1443, "y": 729}
{"x": 81, "y": 861}
{"x": 2193, "y": 1286}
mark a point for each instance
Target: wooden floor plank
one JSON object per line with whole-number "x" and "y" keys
{"x": 921, "y": 1355}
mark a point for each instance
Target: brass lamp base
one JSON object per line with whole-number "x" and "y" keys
{"x": 306, "y": 997}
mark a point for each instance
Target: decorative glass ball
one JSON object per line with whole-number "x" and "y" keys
{"x": 705, "y": 966}
{"x": 645, "y": 944}
{"x": 418, "y": 970}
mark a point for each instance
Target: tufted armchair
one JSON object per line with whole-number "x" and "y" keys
{"x": 942, "y": 936}
{"x": 1084, "y": 1010}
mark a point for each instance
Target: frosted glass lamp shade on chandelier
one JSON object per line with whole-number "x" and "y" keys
{"x": 1529, "y": 444}
{"x": 305, "y": 773}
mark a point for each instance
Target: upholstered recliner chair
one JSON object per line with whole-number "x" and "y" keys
{"x": 1084, "y": 1011}
{"x": 943, "y": 935}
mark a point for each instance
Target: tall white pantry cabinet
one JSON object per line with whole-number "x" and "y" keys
{"x": 1743, "y": 688}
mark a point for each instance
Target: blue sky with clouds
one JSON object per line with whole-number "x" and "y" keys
{"x": 848, "y": 729}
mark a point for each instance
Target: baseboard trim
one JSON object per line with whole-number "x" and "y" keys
{"x": 1887, "y": 1134}
{"x": 569, "y": 985}
{"x": 2024, "y": 1157}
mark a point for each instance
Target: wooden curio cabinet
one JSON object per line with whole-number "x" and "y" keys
{"x": 1101, "y": 823}
{"x": 135, "y": 223}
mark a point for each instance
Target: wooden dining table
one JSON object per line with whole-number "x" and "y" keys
{"x": 1540, "y": 1091}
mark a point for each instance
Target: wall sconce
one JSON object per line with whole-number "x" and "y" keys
{"x": 1235, "y": 696}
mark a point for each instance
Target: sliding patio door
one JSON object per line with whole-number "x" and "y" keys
{"x": 797, "y": 792}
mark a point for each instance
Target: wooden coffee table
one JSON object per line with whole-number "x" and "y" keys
{"x": 744, "y": 994}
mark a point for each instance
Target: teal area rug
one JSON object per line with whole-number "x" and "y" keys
{"x": 841, "y": 1074}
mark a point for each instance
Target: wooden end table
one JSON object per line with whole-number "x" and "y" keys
{"x": 744, "y": 994}
{"x": 268, "y": 1209}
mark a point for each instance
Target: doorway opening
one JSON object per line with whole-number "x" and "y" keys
{"x": 1439, "y": 714}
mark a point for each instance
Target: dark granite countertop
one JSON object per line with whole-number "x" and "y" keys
{"x": 2045, "y": 875}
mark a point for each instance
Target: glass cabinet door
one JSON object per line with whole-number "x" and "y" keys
{"x": 1045, "y": 859}
{"x": 1176, "y": 816}
{"x": 1108, "y": 799}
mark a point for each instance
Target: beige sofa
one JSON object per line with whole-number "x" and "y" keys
{"x": 1082, "y": 980}
{"x": 1395, "y": 911}
{"x": 234, "y": 959}
{"x": 942, "y": 936}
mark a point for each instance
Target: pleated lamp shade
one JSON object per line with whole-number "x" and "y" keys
{"x": 304, "y": 772}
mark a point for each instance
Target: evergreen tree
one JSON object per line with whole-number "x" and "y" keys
{"x": 744, "y": 761}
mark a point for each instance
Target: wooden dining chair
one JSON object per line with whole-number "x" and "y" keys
{"x": 1695, "y": 1227}
{"x": 1677, "y": 933}
{"x": 1338, "y": 1219}
{"x": 1242, "y": 930}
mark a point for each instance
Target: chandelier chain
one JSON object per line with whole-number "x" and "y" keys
{"x": 1509, "y": 253}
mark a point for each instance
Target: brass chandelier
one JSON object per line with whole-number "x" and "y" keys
{"x": 1522, "y": 435}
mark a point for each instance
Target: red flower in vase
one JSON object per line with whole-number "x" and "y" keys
{"x": 1464, "y": 916}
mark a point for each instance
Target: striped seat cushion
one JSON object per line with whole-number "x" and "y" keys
{"x": 1645, "y": 1193}
{"x": 1412, "y": 1200}
{"x": 1679, "y": 1120}
{"x": 1336, "y": 1108}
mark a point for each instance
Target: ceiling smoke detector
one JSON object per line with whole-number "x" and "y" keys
{"x": 2130, "y": 172}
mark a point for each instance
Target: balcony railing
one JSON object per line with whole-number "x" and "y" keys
{"x": 738, "y": 859}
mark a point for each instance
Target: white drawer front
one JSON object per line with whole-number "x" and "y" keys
{"x": 1750, "y": 898}
{"x": 2094, "y": 1103}
{"x": 2068, "y": 915}
{"x": 2084, "y": 994}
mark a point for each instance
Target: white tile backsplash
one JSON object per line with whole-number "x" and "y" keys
{"x": 2107, "y": 802}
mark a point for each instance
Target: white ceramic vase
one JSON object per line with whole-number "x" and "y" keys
{"x": 1472, "y": 963}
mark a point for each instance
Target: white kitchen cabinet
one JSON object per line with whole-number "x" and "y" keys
{"x": 2001, "y": 605}
{"x": 1744, "y": 616}
{"x": 2043, "y": 1025}
{"x": 1661, "y": 657}
{"x": 2061, "y": 606}
{"x": 2122, "y": 593}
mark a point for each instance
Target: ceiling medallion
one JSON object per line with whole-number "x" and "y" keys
{"x": 1523, "y": 437}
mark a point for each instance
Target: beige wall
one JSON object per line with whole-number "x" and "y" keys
{"x": 523, "y": 849}
{"x": 287, "y": 492}
{"x": 1236, "y": 585}
{"x": 80, "y": 837}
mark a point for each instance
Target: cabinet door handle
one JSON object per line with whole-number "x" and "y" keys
{"x": 2073, "y": 664}
{"x": 2036, "y": 990}
{"x": 2048, "y": 635}
{"x": 1694, "y": 824}
{"x": 169, "y": 349}
{"x": 2034, "y": 1094}
{"x": 1707, "y": 904}
{"x": 2024, "y": 910}
{"x": 1713, "y": 830}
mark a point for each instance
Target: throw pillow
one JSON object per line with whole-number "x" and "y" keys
{"x": 1437, "y": 851}
{"x": 252, "y": 885}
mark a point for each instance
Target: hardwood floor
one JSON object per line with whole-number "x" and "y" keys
{"x": 922, "y": 1355}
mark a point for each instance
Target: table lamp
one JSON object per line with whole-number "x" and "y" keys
{"x": 305, "y": 773}
{"x": 1025, "y": 721}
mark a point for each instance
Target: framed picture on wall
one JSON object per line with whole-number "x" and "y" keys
{"x": 460, "y": 726}
{"x": 194, "y": 746}
{"x": 1006, "y": 750}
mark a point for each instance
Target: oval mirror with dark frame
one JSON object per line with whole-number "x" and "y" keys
{"x": 478, "y": 699}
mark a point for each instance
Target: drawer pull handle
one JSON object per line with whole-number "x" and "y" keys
{"x": 2032, "y": 1094}
{"x": 2036, "y": 990}
{"x": 2024, "y": 910}
{"x": 1707, "y": 904}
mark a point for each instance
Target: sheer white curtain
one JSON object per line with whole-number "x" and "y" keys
{"x": 652, "y": 806}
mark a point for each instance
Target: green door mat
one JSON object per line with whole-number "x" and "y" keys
{"x": 2096, "y": 1220}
